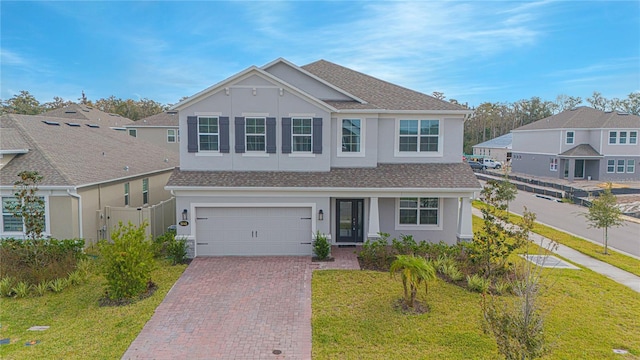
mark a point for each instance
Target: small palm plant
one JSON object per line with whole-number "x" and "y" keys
{"x": 414, "y": 271}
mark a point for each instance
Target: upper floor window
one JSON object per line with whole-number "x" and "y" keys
{"x": 126, "y": 194}
{"x": 255, "y": 132}
{"x": 301, "y": 132}
{"x": 208, "y": 133}
{"x": 419, "y": 135}
{"x": 11, "y": 222}
{"x": 633, "y": 137}
{"x": 623, "y": 137}
{"x": 418, "y": 211}
{"x": 570, "y": 135}
{"x": 351, "y": 135}
{"x": 171, "y": 135}
{"x": 133, "y": 132}
{"x": 145, "y": 191}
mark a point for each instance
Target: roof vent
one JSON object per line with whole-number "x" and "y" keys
{"x": 70, "y": 112}
{"x": 622, "y": 113}
{"x": 608, "y": 112}
{"x": 85, "y": 110}
{"x": 94, "y": 126}
{"x": 126, "y": 168}
{"x": 49, "y": 122}
{"x": 73, "y": 124}
{"x": 172, "y": 112}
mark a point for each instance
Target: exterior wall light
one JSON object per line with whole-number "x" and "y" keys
{"x": 184, "y": 214}
{"x": 320, "y": 215}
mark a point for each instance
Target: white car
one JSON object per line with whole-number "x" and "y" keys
{"x": 492, "y": 164}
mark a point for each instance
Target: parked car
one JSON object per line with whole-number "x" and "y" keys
{"x": 476, "y": 165}
{"x": 490, "y": 163}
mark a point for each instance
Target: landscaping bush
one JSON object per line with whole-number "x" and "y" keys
{"x": 321, "y": 246}
{"x": 376, "y": 254}
{"x": 478, "y": 283}
{"x": 37, "y": 261}
{"x": 405, "y": 246}
{"x": 170, "y": 247}
{"x": 127, "y": 262}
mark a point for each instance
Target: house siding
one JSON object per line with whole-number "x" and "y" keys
{"x": 156, "y": 136}
{"x": 64, "y": 217}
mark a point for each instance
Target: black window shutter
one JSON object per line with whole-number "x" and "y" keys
{"x": 317, "y": 135}
{"x": 286, "y": 135}
{"x": 192, "y": 134}
{"x": 224, "y": 134}
{"x": 239, "y": 134}
{"x": 271, "y": 135}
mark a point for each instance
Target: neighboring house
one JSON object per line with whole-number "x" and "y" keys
{"x": 497, "y": 148}
{"x": 160, "y": 129}
{"x": 91, "y": 115}
{"x": 582, "y": 143}
{"x": 86, "y": 166}
{"x": 273, "y": 154}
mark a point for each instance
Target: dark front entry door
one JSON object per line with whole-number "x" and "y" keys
{"x": 349, "y": 220}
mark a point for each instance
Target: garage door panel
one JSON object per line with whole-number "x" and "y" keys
{"x": 253, "y": 231}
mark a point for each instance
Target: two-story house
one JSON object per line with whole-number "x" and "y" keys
{"x": 581, "y": 143}
{"x": 275, "y": 153}
{"x": 159, "y": 129}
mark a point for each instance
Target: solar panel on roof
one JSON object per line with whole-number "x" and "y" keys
{"x": 49, "y": 122}
{"x": 73, "y": 124}
{"x": 93, "y": 126}
{"x": 70, "y": 112}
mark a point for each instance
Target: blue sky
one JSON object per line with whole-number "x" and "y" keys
{"x": 496, "y": 51}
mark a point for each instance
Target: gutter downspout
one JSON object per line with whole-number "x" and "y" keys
{"x": 77, "y": 196}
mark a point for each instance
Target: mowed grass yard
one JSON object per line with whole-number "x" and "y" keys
{"x": 587, "y": 317}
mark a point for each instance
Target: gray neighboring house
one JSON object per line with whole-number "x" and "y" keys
{"x": 159, "y": 129}
{"x": 87, "y": 165}
{"x": 582, "y": 143}
{"x": 498, "y": 148}
{"x": 275, "y": 153}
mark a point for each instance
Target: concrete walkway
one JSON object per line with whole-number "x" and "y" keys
{"x": 623, "y": 277}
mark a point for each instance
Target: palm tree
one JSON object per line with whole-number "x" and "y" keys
{"x": 414, "y": 270}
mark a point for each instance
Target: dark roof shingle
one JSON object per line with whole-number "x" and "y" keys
{"x": 584, "y": 117}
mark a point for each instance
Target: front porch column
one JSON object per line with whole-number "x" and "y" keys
{"x": 572, "y": 169}
{"x": 465, "y": 226}
{"x": 374, "y": 219}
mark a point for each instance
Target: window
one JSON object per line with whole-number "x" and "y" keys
{"x": 553, "y": 165}
{"x": 570, "y": 135}
{"x": 208, "y": 134}
{"x": 171, "y": 135}
{"x": 631, "y": 166}
{"x": 255, "y": 134}
{"x": 10, "y": 222}
{"x": 126, "y": 194}
{"x": 145, "y": 191}
{"x": 633, "y": 137}
{"x": 611, "y": 166}
{"x": 133, "y": 132}
{"x": 418, "y": 211}
{"x": 613, "y": 137}
{"x": 620, "y": 167}
{"x": 301, "y": 134}
{"x": 623, "y": 137}
{"x": 419, "y": 135}
{"x": 351, "y": 133}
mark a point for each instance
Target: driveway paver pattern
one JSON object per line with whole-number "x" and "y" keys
{"x": 233, "y": 308}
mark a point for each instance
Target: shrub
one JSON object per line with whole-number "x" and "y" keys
{"x": 40, "y": 289}
{"x": 405, "y": 246}
{"x": 177, "y": 250}
{"x": 58, "y": 285}
{"x": 452, "y": 272}
{"x": 127, "y": 263}
{"x": 502, "y": 287}
{"x": 477, "y": 283}
{"x": 21, "y": 290}
{"x": 414, "y": 270}
{"x": 6, "y": 286}
{"x": 431, "y": 251}
{"x": 321, "y": 246}
{"x": 376, "y": 254}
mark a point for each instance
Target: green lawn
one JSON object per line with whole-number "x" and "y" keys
{"x": 79, "y": 328}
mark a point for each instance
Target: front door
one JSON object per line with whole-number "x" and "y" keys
{"x": 579, "y": 170}
{"x": 349, "y": 220}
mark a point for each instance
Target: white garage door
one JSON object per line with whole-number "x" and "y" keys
{"x": 253, "y": 231}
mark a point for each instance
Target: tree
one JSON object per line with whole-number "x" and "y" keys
{"x": 565, "y": 102}
{"x": 414, "y": 270}
{"x": 23, "y": 103}
{"x": 603, "y": 214}
{"x": 57, "y": 103}
{"x": 29, "y": 205}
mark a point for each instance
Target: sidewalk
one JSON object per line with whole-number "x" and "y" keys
{"x": 625, "y": 278}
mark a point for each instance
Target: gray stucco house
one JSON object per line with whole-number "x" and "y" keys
{"x": 275, "y": 153}
{"x": 582, "y": 143}
{"x": 159, "y": 129}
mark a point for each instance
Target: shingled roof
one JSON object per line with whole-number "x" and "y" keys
{"x": 76, "y": 154}
{"x": 584, "y": 117}
{"x": 377, "y": 93}
{"x": 167, "y": 118}
{"x": 384, "y": 176}
{"x": 582, "y": 150}
{"x": 88, "y": 114}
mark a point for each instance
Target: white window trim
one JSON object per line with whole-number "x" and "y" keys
{"x": 627, "y": 138}
{"x": 614, "y": 166}
{"x": 399, "y": 226}
{"x": 635, "y": 138}
{"x": 310, "y": 135}
{"x": 175, "y": 136}
{"x": 396, "y": 146}
{"x": 573, "y": 138}
{"x": 553, "y": 165}
{"x": 127, "y": 194}
{"x": 624, "y": 166}
{"x": 22, "y": 234}
{"x": 361, "y": 153}
{"x": 200, "y": 151}
{"x": 632, "y": 167}
{"x": 147, "y": 191}
{"x": 246, "y": 143}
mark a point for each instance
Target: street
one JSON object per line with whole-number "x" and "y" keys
{"x": 567, "y": 217}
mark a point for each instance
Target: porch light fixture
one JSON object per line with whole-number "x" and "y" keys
{"x": 320, "y": 215}
{"x": 184, "y": 214}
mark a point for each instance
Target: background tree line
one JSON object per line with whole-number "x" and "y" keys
{"x": 488, "y": 120}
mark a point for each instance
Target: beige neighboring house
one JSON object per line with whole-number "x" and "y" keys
{"x": 498, "y": 148}
{"x": 87, "y": 166}
{"x": 160, "y": 129}
{"x": 90, "y": 114}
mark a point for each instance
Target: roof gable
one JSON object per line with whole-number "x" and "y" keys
{"x": 584, "y": 117}
{"x": 164, "y": 119}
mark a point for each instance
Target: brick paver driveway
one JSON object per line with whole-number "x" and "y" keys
{"x": 233, "y": 308}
